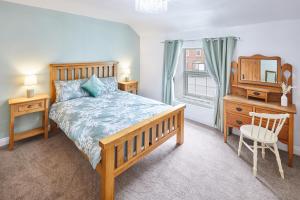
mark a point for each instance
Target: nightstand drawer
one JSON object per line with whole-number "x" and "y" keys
{"x": 30, "y": 107}
{"x": 131, "y": 87}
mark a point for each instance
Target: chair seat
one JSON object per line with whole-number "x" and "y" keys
{"x": 260, "y": 136}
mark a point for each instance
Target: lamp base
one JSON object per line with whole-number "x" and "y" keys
{"x": 30, "y": 93}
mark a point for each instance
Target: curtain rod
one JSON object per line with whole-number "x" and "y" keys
{"x": 198, "y": 40}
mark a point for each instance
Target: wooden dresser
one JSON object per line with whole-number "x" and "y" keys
{"x": 261, "y": 97}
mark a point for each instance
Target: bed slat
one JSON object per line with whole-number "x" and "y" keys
{"x": 153, "y": 138}
{"x": 138, "y": 143}
{"x": 89, "y": 72}
{"x": 130, "y": 148}
{"x": 120, "y": 154}
{"x": 159, "y": 130}
{"x": 70, "y": 75}
{"x": 146, "y": 144}
{"x": 83, "y": 73}
{"x": 62, "y": 74}
{"x": 77, "y": 73}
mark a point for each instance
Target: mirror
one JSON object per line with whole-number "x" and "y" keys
{"x": 260, "y": 69}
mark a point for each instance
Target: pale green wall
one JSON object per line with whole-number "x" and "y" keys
{"x": 31, "y": 38}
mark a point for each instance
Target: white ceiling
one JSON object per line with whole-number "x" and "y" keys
{"x": 182, "y": 15}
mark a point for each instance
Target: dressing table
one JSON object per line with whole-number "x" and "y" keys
{"x": 255, "y": 85}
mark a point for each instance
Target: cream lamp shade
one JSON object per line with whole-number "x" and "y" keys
{"x": 126, "y": 73}
{"x": 30, "y": 80}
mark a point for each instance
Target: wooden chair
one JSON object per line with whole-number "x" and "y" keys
{"x": 265, "y": 133}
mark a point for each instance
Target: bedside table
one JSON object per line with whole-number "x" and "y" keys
{"x": 128, "y": 86}
{"x": 23, "y": 106}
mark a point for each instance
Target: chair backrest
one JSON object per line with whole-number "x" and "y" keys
{"x": 272, "y": 122}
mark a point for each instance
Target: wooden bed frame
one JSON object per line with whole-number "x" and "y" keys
{"x": 140, "y": 139}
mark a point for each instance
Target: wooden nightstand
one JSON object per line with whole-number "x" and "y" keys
{"x": 23, "y": 106}
{"x": 129, "y": 86}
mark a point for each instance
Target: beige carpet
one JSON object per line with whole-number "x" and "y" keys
{"x": 202, "y": 168}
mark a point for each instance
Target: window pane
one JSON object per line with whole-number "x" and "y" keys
{"x": 201, "y": 81}
{"x": 211, "y": 82}
{"x": 198, "y": 83}
{"x": 200, "y": 90}
{"x": 191, "y": 84}
{"x": 211, "y": 92}
{"x": 194, "y": 60}
{"x": 201, "y": 67}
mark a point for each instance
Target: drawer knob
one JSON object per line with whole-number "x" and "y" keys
{"x": 238, "y": 109}
{"x": 239, "y": 122}
{"x": 29, "y": 106}
{"x": 256, "y": 93}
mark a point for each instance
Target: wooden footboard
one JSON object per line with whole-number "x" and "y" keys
{"x": 123, "y": 149}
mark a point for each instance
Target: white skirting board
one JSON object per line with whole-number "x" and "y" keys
{"x": 4, "y": 141}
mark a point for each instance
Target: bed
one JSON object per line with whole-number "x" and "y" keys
{"x": 113, "y": 131}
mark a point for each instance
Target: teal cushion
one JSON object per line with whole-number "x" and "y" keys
{"x": 94, "y": 86}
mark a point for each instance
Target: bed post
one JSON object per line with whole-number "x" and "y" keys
{"x": 180, "y": 131}
{"x": 107, "y": 173}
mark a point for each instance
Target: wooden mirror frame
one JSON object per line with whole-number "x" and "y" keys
{"x": 261, "y": 57}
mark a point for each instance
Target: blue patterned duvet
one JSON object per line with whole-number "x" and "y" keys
{"x": 86, "y": 120}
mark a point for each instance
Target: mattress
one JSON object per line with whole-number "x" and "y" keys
{"x": 86, "y": 120}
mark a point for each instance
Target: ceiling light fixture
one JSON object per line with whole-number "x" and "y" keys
{"x": 151, "y": 6}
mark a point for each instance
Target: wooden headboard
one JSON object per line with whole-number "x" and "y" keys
{"x": 73, "y": 71}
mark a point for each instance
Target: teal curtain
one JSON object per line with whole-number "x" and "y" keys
{"x": 218, "y": 57}
{"x": 172, "y": 51}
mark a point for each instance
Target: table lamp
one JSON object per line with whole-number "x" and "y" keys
{"x": 30, "y": 81}
{"x": 126, "y": 73}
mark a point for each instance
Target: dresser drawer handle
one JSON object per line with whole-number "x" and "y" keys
{"x": 29, "y": 106}
{"x": 239, "y": 122}
{"x": 238, "y": 109}
{"x": 256, "y": 93}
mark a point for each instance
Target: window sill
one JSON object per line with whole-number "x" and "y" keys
{"x": 196, "y": 101}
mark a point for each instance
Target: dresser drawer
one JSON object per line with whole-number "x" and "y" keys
{"x": 238, "y": 108}
{"x": 284, "y": 133}
{"x": 262, "y": 110}
{"x": 29, "y": 107}
{"x": 257, "y": 94}
{"x": 236, "y": 120}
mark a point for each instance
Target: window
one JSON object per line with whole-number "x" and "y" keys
{"x": 197, "y": 82}
{"x": 187, "y": 52}
{"x": 198, "y": 52}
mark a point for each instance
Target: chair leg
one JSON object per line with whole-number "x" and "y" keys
{"x": 263, "y": 152}
{"x": 240, "y": 144}
{"x": 278, "y": 160}
{"x": 255, "y": 158}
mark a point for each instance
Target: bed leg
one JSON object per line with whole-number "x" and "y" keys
{"x": 180, "y": 131}
{"x": 107, "y": 175}
{"x": 53, "y": 125}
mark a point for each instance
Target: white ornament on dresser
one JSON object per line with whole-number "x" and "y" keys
{"x": 285, "y": 89}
